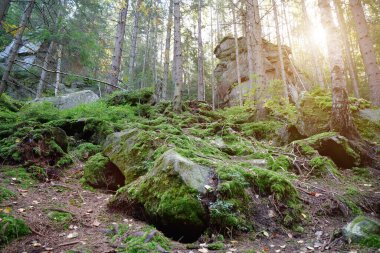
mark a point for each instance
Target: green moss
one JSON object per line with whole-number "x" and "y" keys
{"x": 362, "y": 174}
{"x": 140, "y": 96}
{"x": 372, "y": 241}
{"x": 40, "y": 112}
{"x": 37, "y": 172}
{"x": 11, "y": 228}
{"x": 9, "y": 104}
{"x": 321, "y": 165}
{"x": 262, "y": 130}
{"x": 216, "y": 246}
{"x": 281, "y": 163}
{"x": 24, "y": 179}
{"x": 100, "y": 172}
{"x": 271, "y": 182}
{"x": 6, "y": 194}
{"x": 141, "y": 243}
{"x": 62, "y": 219}
{"x": 225, "y": 216}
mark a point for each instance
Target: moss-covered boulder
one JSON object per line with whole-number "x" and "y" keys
{"x": 100, "y": 172}
{"x": 329, "y": 144}
{"x": 87, "y": 129}
{"x": 170, "y": 196}
{"x": 42, "y": 145}
{"x": 364, "y": 231}
{"x": 129, "y": 150}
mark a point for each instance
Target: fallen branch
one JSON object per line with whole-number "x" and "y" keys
{"x": 75, "y": 75}
{"x": 15, "y": 82}
{"x": 68, "y": 243}
{"x": 35, "y": 232}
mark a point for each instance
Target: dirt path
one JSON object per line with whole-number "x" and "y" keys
{"x": 92, "y": 220}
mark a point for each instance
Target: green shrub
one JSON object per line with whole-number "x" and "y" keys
{"x": 11, "y": 228}
{"x": 6, "y": 194}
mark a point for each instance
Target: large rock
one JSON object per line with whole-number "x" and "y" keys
{"x": 169, "y": 195}
{"x": 226, "y": 70}
{"x": 332, "y": 145}
{"x": 363, "y": 230}
{"x": 71, "y": 100}
{"x": 100, "y": 172}
{"x": 129, "y": 150}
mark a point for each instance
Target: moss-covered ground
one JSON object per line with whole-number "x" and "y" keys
{"x": 261, "y": 184}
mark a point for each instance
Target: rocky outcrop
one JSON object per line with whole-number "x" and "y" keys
{"x": 364, "y": 231}
{"x": 226, "y": 73}
{"x": 71, "y": 100}
{"x": 332, "y": 145}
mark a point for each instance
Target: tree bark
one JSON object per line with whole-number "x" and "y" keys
{"x": 350, "y": 62}
{"x": 41, "y": 83}
{"x": 254, "y": 36}
{"x": 201, "y": 84}
{"x": 213, "y": 88}
{"x": 237, "y": 56}
{"x": 4, "y": 9}
{"x": 341, "y": 120}
{"x": 58, "y": 72}
{"x": 178, "y": 71}
{"x": 280, "y": 55}
{"x": 146, "y": 51}
{"x": 367, "y": 50}
{"x": 251, "y": 72}
{"x": 132, "y": 59}
{"x": 118, "y": 51}
{"x": 167, "y": 50}
{"x": 16, "y": 45}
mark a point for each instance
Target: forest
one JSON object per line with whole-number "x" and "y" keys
{"x": 236, "y": 126}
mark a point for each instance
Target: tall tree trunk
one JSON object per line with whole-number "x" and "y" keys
{"x": 118, "y": 50}
{"x": 16, "y": 45}
{"x": 341, "y": 120}
{"x": 314, "y": 53}
{"x": 367, "y": 50}
{"x": 254, "y": 36}
{"x": 237, "y": 56}
{"x": 146, "y": 52}
{"x": 280, "y": 55}
{"x": 347, "y": 49}
{"x": 58, "y": 74}
{"x": 213, "y": 88}
{"x": 4, "y": 9}
{"x": 41, "y": 83}
{"x": 251, "y": 64}
{"x": 132, "y": 58}
{"x": 167, "y": 51}
{"x": 201, "y": 83}
{"x": 178, "y": 70}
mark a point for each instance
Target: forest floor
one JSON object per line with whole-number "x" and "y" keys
{"x": 91, "y": 221}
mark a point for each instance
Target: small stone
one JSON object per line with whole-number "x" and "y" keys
{"x": 96, "y": 223}
{"x": 72, "y": 235}
{"x": 300, "y": 241}
{"x": 271, "y": 214}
